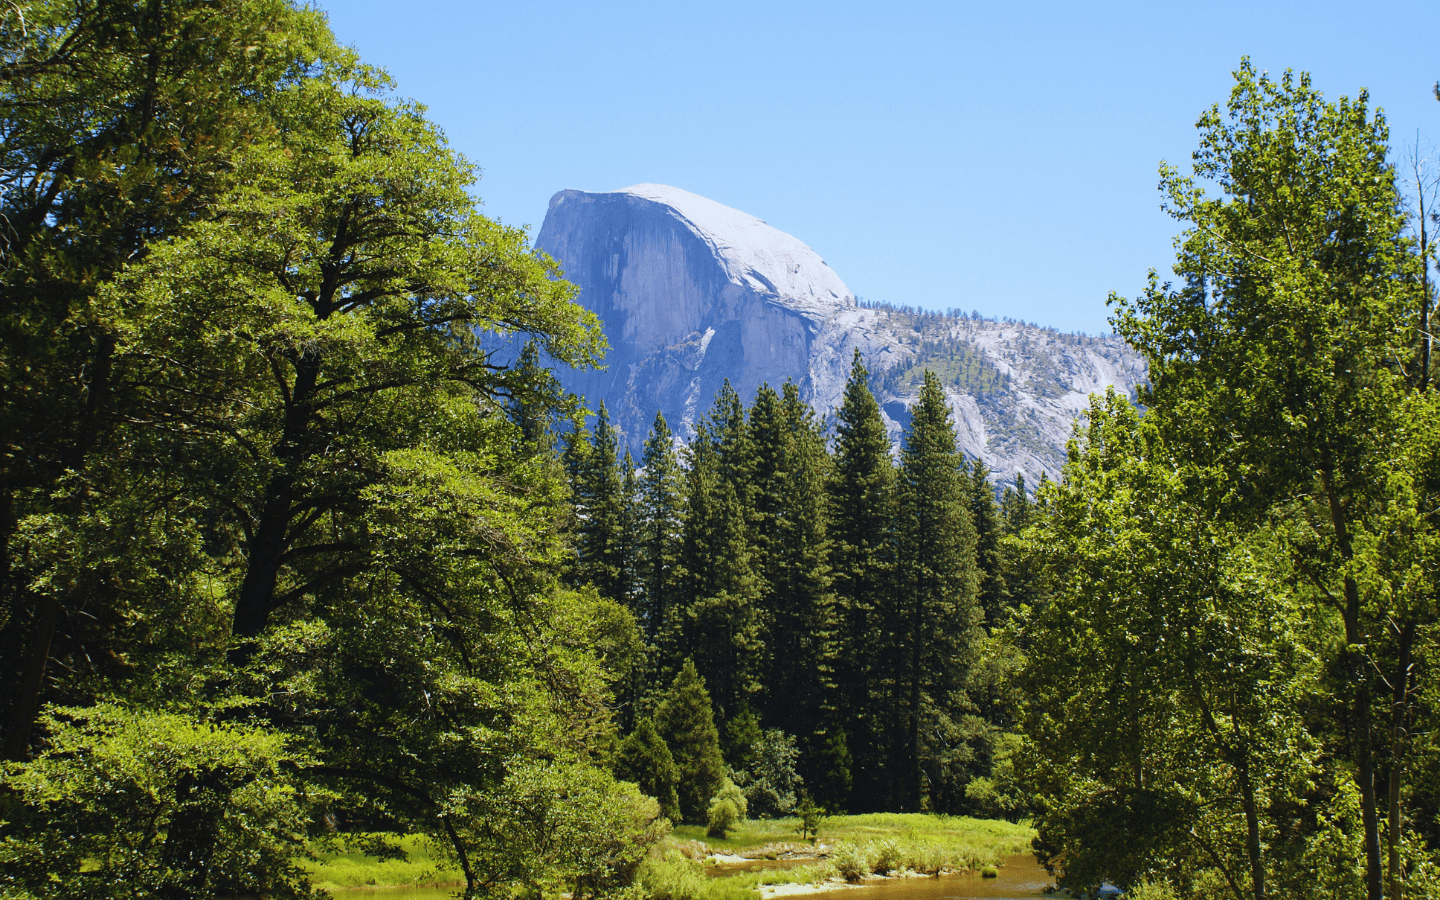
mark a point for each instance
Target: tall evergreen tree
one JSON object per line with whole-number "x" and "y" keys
{"x": 686, "y": 722}
{"x": 722, "y": 625}
{"x": 602, "y": 510}
{"x": 647, "y": 761}
{"x": 661, "y": 521}
{"x": 862, "y": 504}
{"x": 936, "y": 608}
{"x": 801, "y": 640}
{"x": 989, "y": 554}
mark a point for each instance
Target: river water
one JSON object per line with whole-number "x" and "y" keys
{"x": 1020, "y": 878}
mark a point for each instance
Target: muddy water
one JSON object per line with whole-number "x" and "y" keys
{"x": 1021, "y": 877}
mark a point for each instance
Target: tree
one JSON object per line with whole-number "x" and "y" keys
{"x": 989, "y": 554}
{"x": 122, "y": 122}
{"x": 645, "y": 760}
{"x": 687, "y": 726}
{"x": 603, "y": 509}
{"x": 1166, "y": 678}
{"x": 935, "y": 608}
{"x": 791, "y": 511}
{"x": 723, "y": 626}
{"x": 862, "y": 497}
{"x": 1282, "y": 370}
{"x": 661, "y": 521}
{"x": 329, "y": 529}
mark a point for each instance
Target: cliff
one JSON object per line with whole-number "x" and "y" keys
{"x": 692, "y": 292}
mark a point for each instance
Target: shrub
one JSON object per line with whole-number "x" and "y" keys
{"x": 728, "y": 791}
{"x": 1155, "y": 890}
{"x": 672, "y": 877}
{"x": 723, "y": 818}
{"x": 851, "y": 861}
{"x": 888, "y": 857}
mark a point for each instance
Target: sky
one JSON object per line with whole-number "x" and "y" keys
{"x": 999, "y": 157}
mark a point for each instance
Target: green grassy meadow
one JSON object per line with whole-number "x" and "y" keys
{"x": 916, "y": 841}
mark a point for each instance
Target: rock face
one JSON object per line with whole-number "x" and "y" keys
{"x": 692, "y": 293}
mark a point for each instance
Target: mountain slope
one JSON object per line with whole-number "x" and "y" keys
{"x": 692, "y": 292}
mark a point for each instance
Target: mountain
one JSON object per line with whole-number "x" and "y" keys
{"x": 692, "y": 292}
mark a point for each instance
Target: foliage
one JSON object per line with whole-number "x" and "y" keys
{"x": 722, "y": 817}
{"x": 729, "y": 791}
{"x": 810, "y": 817}
{"x": 673, "y": 877}
{"x": 303, "y": 504}
{"x": 851, "y": 860}
{"x": 645, "y": 760}
{"x": 686, "y": 724}
{"x": 770, "y": 782}
{"x": 1238, "y": 588}
{"x": 105, "y": 809}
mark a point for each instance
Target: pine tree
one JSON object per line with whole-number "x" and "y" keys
{"x": 937, "y": 612}
{"x": 645, "y": 760}
{"x": 801, "y": 642}
{"x": 686, "y": 723}
{"x": 661, "y": 521}
{"x": 601, "y": 508}
{"x": 862, "y": 504}
{"x": 722, "y": 627}
{"x": 989, "y": 554}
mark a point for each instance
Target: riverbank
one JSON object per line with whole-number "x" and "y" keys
{"x": 763, "y": 858}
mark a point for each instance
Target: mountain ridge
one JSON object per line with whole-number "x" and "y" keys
{"x": 692, "y": 293}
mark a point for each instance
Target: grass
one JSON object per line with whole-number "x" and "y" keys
{"x": 956, "y": 834}
{"x": 346, "y": 865}
{"x": 915, "y": 841}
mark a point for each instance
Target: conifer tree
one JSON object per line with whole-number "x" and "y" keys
{"x": 862, "y": 498}
{"x": 628, "y": 549}
{"x": 686, "y": 723}
{"x": 989, "y": 554}
{"x": 645, "y": 760}
{"x": 601, "y": 510}
{"x": 661, "y": 520}
{"x": 936, "y": 611}
{"x": 800, "y": 680}
{"x": 722, "y": 627}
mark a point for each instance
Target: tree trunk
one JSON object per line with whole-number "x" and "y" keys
{"x": 1399, "y": 709}
{"x": 25, "y": 703}
{"x": 1252, "y": 830}
{"x": 1360, "y": 703}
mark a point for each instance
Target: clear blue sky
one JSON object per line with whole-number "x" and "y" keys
{"x": 999, "y": 157}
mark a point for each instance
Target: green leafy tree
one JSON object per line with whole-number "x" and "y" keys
{"x": 1166, "y": 681}
{"x": 122, "y": 122}
{"x": 603, "y": 532}
{"x": 723, "y": 626}
{"x": 1282, "y": 370}
{"x": 328, "y": 527}
{"x": 687, "y": 725}
{"x": 792, "y": 513}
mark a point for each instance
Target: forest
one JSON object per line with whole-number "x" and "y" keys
{"x": 298, "y": 546}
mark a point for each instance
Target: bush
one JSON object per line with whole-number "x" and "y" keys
{"x": 851, "y": 861}
{"x": 888, "y": 857}
{"x": 770, "y": 782}
{"x": 723, "y": 818}
{"x": 728, "y": 791}
{"x": 674, "y": 877}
